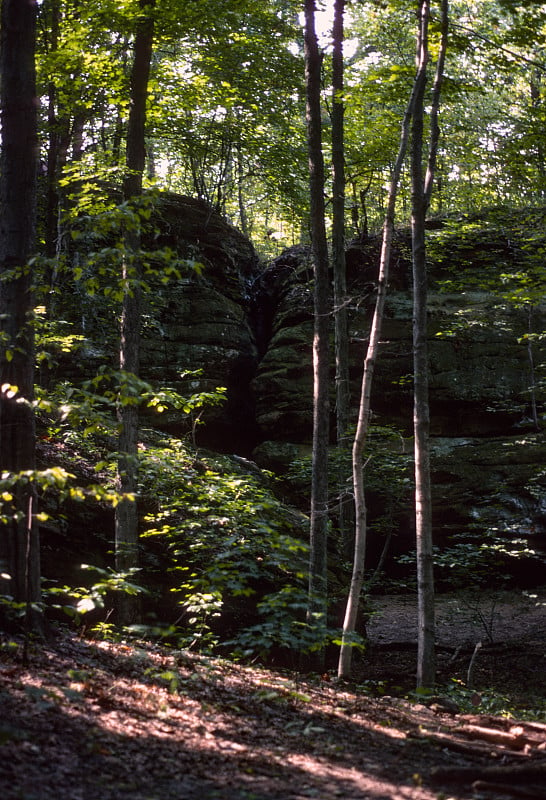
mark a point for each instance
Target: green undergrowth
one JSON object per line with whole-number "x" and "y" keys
{"x": 223, "y": 562}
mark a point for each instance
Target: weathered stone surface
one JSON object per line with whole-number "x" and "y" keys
{"x": 201, "y": 324}
{"x": 251, "y": 329}
{"x": 480, "y": 373}
{"x": 487, "y": 462}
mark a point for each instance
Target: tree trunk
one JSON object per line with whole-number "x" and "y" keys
{"x": 338, "y": 228}
{"x": 340, "y": 280}
{"x": 127, "y": 509}
{"x": 19, "y": 542}
{"x": 420, "y": 198}
{"x": 361, "y": 435}
{"x": 319, "y": 486}
{"x": 421, "y": 194}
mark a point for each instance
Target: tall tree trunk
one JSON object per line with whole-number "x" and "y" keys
{"x": 127, "y": 509}
{"x": 51, "y": 13}
{"x": 338, "y": 228}
{"x": 339, "y": 269}
{"x": 319, "y": 487}
{"x": 19, "y": 542}
{"x": 361, "y": 435}
{"x": 421, "y": 193}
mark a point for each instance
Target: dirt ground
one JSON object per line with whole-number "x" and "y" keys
{"x": 511, "y": 628}
{"x": 91, "y": 720}
{"x": 462, "y": 619}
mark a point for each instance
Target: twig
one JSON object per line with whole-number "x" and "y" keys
{"x": 470, "y": 673}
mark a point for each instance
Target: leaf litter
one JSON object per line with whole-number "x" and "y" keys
{"x": 95, "y": 720}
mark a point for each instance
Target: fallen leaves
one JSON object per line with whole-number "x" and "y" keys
{"x": 111, "y": 720}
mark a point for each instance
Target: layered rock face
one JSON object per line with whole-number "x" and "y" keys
{"x": 486, "y": 389}
{"x": 199, "y": 335}
{"x": 481, "y": 371}
{"x": 250, "y": 328}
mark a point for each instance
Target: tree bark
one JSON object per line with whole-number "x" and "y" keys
{"x": 341, "y": 327}
{"x": 127, "y": 510}
{"x": 361, "y": 435}
{"x": 338, "y": 228}
{"x": 421, "y": 188}
{"x": 421, "y": 194}
{"x": 317, "y": 608}
{"x": 19, "y": 542}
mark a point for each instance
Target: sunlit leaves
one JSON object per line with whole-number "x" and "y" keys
{"x": 229, "y": 536}
{"x": 80, "y": 600}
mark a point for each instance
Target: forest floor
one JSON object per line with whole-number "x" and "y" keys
{"x": 95, "y": 720}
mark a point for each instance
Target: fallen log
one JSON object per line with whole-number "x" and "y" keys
{"x": 529, "y": 792}
{"x": 515, "y": 739}
{"x": 504, "y": 774}
{"x": 474, "y": 748}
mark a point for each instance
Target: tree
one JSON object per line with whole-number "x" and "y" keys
{"x": 361, "y": 435}
{"x": 341, "y": 326}
{"x": 127, "y": 510}
{"x": 19, "y": 544}
{"x": 319, "y": 482}
{"x": 363, "y": 422}
{"x": 338, "y": 227}
{"x": 81, "y": 64}
{"x": 421, "y": 192}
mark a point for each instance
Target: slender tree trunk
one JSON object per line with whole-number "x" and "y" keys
{"x": 51, "y": 12}
{"x": 243, "y": 217}
{"x": 528, "y": 310}
{"x": 319, "y": 488}
{"x": 127, "y": 509}
{"x": 421, "y": 193}
{"x": 435, "y": 104}
{"x": 361, "y": 435}
{"x": 339, "y": 269}
{"x": 338, "y": 228}
{"x": 19, "y": 542}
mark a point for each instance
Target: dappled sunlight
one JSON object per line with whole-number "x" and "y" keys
{"x": 139, "y": 718}
{"x": 113, "y": 718}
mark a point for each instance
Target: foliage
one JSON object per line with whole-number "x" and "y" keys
{"x": 388, "y": 477}
{"x": 478, "y": 559}
{"x": 232, "y": 546}
{"x": 80, "y": 600}
{"x": 232, "y": 550}
{"x": 490, "y": 701}
{"x": 284, "y": 628}
{"x": 53, "y": 479}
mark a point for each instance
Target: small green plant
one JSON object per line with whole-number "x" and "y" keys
{"x": 284, "y": 627}
{"x": 167, "y": 677}
{"x": 477, "y": 559}
{"x": 83, "y": 599}
{"x": 230, "y": 543}
{"x": 486, "y": 702}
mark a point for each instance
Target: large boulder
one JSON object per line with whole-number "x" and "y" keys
{"x": 481, "y": 368}
{"x": 199, "y": 335}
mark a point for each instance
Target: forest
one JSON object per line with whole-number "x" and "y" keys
{"x": 272, "y": 399}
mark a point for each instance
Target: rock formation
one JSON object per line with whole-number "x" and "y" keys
{"x": 249, "y": 328}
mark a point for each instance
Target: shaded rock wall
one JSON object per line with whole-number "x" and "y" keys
{"x": 480, "y": 372}
{"x": 202, "y": 322}
{"x": 488, "y": 459}
{"x": 250, "y": 328}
